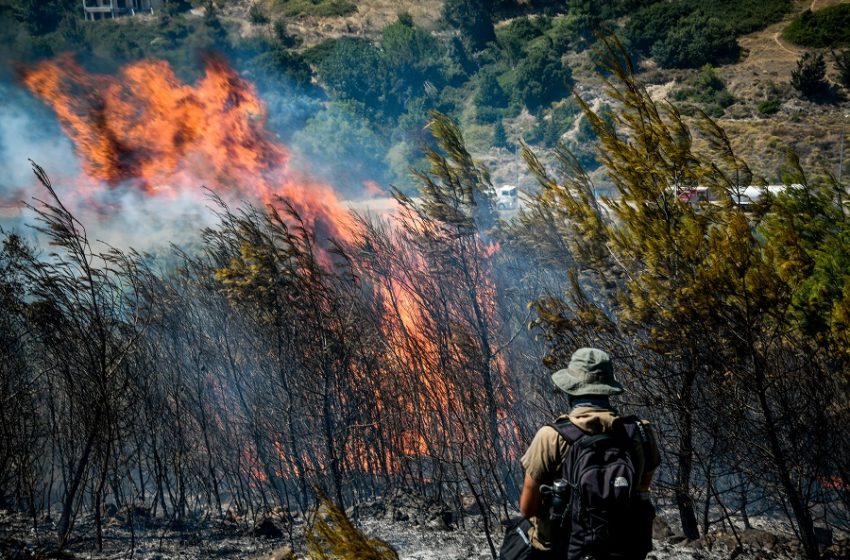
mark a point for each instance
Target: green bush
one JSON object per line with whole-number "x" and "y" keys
{"x": 842, "y": 64}
{"x": 41, "y": 16}
{"x": 708, "y": 89}
{"x": 344, "y": 145}
{"x": 809, "y": 78}
{"x": 474, "y": 20}
{"x": 176, "y": 7}
{"x": 413, "y": 57}
{"x": 769, "y": 106}
{"x": 829, "y": 27}
{"x": 279, "y": 66}
{"x": 459, "y": 57}
{"x": 551, "y": 127}
{"x": 490, "y": 93}
{"x": 257, "y": 16}
{"x": 72, "y": 34}
{"x": 745, "y": 16}
{"x": 351, "y": 68}
{"x": 408, "y": 64}
{"x": 175, "y": 40}
{"x": 651, "y": 25}
{"x": 500, "y": 138}
{"x": 705, "y": 30}
{"x": 541, "y": 78}
{"x": 317, "y": 8}
{"x": 213, "y": 27}
{"x": 515, "y": 37}
{"x": 698, "y": 40}
{"x": 567, "y": 31}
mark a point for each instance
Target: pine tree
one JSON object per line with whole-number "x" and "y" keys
{"x": 842, "y": 63}
{"x": 809, "y": 76}
{"x": 500, "y": 139}
{"x": 473, "y": 19}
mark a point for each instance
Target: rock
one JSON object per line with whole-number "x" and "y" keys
{"x": 699, "y": 544}
{"x": 229, "y": 522}
{"x": 268, "y": 529}
{"x": 470, "y": 505}
{"x": 440, "y": 519}
{"x": 823, "y": 536}
{"x": 375, "y": 509}
{"x": 231, "y": 516}
{"x": 401, "y": 515}
{"x": 756, "y": 538}
{"x": 724, "y": 539}
{"x": 660, "y": 529}
{"x": 677, "y": 538}
{"x": 405, "y": 506}
{"x": 283, "y": 553}
{"x": 839, "y": 549}
{"x": 177, "y": 524}
{"x": 110, "y": 510}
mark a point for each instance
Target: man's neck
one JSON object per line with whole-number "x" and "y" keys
{"x": 590, "y": 402}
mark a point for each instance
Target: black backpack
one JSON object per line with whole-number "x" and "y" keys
{"x": 605, "y": 518}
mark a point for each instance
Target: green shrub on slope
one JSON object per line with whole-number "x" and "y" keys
{"x": 829, "y": 27}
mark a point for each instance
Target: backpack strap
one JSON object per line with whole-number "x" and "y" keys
{"x": 633, "y": 426}
{"x": 568, "y": 430}
{"x": 572, "y": 433}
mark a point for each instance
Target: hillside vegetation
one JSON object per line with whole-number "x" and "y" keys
{"x": 829, "y": 27}
{"x": 350, "y": 84}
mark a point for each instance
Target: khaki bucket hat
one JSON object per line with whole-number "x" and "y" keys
{"x": 590, "y": 373}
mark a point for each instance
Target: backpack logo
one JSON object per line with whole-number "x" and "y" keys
{"x": 621, "y": 482}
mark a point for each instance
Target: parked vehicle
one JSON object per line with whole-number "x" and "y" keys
{"x": 506, "y": 197}
{"x": 744, "y": 197}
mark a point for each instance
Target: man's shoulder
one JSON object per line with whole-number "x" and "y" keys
{"x": 547, "y": 432}
{"x": 544, "y": 455}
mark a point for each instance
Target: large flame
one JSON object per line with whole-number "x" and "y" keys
{"x": 148, "y": 128}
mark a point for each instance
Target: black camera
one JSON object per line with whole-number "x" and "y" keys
{"x": 557, "y": 500}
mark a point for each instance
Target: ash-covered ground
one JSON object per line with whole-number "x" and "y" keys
{"x": 417, "y": 529}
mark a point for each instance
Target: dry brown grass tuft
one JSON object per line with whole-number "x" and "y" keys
{"x": 332, "y": 535}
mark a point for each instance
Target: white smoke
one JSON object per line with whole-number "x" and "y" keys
{"x": 25, "y": 135}
{"x": 120, "y": 216}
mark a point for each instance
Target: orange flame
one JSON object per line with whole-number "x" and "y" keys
{"x": 148, "y": 128}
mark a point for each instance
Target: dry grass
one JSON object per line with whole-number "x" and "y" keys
{"x": 764, "y": 71}
{"x": 767, "y": 54}
{"x": 332, "y": 535}
{"x": 765, "y": 143}
{"x": 369, "y": 19}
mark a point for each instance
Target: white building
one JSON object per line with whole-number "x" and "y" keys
{"x": 100, "y": 9}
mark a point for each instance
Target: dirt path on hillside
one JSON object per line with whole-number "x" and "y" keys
{"x": 767, "y": 54}
{"x": 781, "y": 45}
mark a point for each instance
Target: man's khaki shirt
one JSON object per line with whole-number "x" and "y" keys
{"x": 544, "y": 457}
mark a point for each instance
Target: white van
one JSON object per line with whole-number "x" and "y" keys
{"x": 506, "y": 197}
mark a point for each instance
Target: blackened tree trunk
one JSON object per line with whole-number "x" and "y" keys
{"x": 802, "y": 515}
{"x": 684, "y": 502}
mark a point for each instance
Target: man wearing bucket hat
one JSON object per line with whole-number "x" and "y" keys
{"x": 626, "y": 443}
